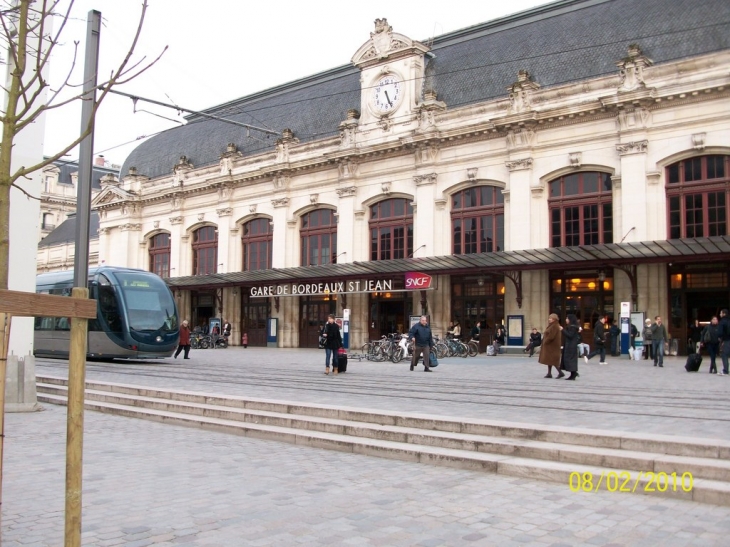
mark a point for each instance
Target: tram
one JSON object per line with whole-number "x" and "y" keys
{"x": 136, "y": 316}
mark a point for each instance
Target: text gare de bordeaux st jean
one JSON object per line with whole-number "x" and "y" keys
{"x": 413, "y": 281}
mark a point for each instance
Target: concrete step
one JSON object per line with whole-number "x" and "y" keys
{"x": 706, "y": 468}
{"x": 515, "y": 456}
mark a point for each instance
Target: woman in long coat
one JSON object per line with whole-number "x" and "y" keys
{"x": 571, "y": 337}
{"x": 550, "y": 353}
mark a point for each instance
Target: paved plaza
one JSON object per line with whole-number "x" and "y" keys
{"x": 148, "y": 483}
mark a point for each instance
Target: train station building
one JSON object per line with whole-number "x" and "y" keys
{"x": 563, "y": 159}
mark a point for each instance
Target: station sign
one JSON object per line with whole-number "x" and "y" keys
{"x": 414, "y": 281}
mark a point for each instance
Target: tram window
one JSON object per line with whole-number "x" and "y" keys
{"x": 109, "y": 307}
{"x": 44, "y": 323}
{"x": 62, "y": 323}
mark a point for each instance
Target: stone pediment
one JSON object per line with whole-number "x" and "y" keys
{"x": 386, "y": 44}
{"x": 111, "y": 195}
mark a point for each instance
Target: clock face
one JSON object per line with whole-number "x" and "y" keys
{"x": 387, "y": 94}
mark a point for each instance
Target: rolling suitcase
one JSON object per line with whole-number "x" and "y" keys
{"x": 694, "y": 360}
{"x": 341, "y": 360}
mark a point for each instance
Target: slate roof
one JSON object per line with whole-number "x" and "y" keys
{"x": 66, "y": 231}
{"x": 565, "y": 41}
{"x": 67, "y": 168}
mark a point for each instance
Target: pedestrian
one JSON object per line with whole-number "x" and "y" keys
{"x": 723, "y": 336}
{"x": 694, "y": 337}
{"x": 710, "y": 341}
{"x": 615, "y": 334}
{"x": 474, "y": 334}
{"x": 599, "y": 339}
{"x": 226, "y": 329}
{"x": 571, "y": 337}
{"x": 499, "y": 338}
{"x": 646, "y": 337}
{"x": 633, "y": 333}
{"x": 658, "y": 335}
{"x": 184, "y": 343}
{"x": 244, "y": 340}
{"x": 332, "y": 342}
{"x": 535, "y": 341}
{"x": 456, "y": 332}
{"x": 550, "y": 353}
{"x": 423, "y": 343}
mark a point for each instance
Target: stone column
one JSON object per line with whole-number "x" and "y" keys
{"x": 424, "y": 229}
{"x": 176, "y": 247}
{"x": 224, "y": 241}
{"x": 346, "y": 225}
{"x": 518, "y": 218}
{"x": 281, "y": 206}
{"x": 633, "y": 196}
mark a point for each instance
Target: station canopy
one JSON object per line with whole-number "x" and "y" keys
{"x": 585, "y": 256}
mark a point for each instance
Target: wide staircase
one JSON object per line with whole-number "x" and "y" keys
{"x": 581, "y": 459}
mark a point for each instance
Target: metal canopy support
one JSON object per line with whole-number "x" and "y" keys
{"x": 630, "y": 271}
{"x": 516, "y": 277}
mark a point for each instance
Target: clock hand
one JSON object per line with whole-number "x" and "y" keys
{"x": 388, "y": 98}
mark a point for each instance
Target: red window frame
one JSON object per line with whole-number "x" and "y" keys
{"x": 581, "y": 209}
{"x": 477, "y": 220}
{"x": 205, "y": 250}
{"x": 391, "y": 229}
{"x": 698, "y": 197}
{"x": 318, "y": 238}
{"x": 160, "y": 254}
{"x": 257, "y": 241}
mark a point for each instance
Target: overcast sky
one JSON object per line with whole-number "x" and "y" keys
{"x": 219, "y": 50}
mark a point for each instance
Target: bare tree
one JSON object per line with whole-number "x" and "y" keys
{"x": 29, "y": 44}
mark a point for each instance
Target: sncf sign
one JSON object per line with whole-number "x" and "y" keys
{"x": 417, "y": 280}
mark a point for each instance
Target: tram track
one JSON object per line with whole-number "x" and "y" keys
{"x": 504, "y": 395}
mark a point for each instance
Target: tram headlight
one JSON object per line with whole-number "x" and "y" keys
{"x": 158, "y": 339}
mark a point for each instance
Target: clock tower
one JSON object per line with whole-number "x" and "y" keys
{"x": 392, "y": 71}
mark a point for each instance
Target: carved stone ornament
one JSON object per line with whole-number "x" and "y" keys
{"x": 386, "y": 188}
{"x": 313, "y": 198}
{"x": 176, "y": 202}
{"x": 384, "y": 123}
{"x": 440, "y": 204}
{"x": 427, "y": 154}
{"x": 652, "y": 177}
{"x": 156, "y": 224}
{"x": 180, "y": 170}
{"x": 283, "y": 144}
{"x": 225, "y": 191}
{"x": 575, "y": 159}
{"x": 228, "y": 157}
{"x": 348, "y": 128}
{"x": 428, "y": 110}
{"x": 224, "y": 212}
{"x": 519, "y": 165}
{"x": 471, "y": 174}
{"x": 347, "y": 169}
{"x": 423, "y": 180}
{"x": 520, "y": 138}
{"x": 616, "y": 182}
{"x": 252, "y": 208}
{"x": 176, "y": 220}
{"x": 130, "y": 227}
{"x": 201, "y": 216}
{"x": 520, "y": 92}
{"x": 698, "y": 141}
{"x": 281, "y": 182}
{"x": 104, "y": 231}
{"x": 291, "y": 223}
{"x": 281, "y": 202}
{"x": 633, "y": 118}
{"x": 359, "y": 214}
{"x": 108, "y": 180}
{"x": 506, "y": 195}
{"x": 347, "y": 192}
{"x": 631, "y": 69}
{"x": 628, "y": 148}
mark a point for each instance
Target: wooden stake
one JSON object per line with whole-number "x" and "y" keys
{"x": 4, "y": 340}
{"x": 75, "y": 423}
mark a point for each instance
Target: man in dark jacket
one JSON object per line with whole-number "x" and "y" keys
{"x": 535, "y": 341}
{"x": 723, "y": 336}
{"x": 599, "y": 339}
{"x": 658, "y": 335}
{"x": 332, "y": 343}
{"x": 423, "y": 342}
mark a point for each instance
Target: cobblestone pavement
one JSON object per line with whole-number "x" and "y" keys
{"x": 155, "y": 484}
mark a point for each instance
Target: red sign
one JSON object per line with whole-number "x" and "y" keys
{"x": 417, "y": 281}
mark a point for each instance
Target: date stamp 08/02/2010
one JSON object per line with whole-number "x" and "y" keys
{"x": 623, "y": 481}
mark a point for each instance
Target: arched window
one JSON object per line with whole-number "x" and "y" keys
{"x": 477, "y": 220}
{"x": 391, "y": 229}
{"x": 319, "y": 238}
{"x": 257, "y": 244}
{"x": 581, "y": 210}
{"x": 205, "y": 250}
{"x": 160, "y": 255}
{"x": 698, "y": 197}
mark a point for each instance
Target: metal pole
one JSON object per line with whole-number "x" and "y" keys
{"x": 79, "y": 327}
{"x": 86, "y": 152}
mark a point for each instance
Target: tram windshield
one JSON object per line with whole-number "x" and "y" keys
{"x": 149, "y": 303}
